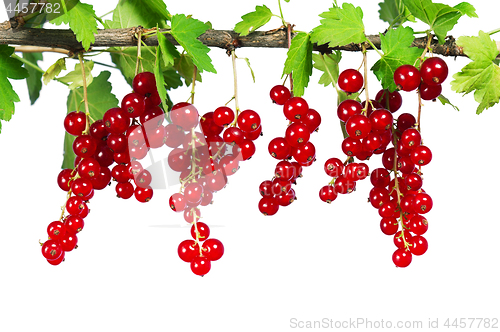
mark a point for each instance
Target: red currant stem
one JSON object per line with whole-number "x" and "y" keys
{"x": 63, "y": 208}
{"x": 365, "y": 67}
{"x": 230, "y": 100}
{"x": 235, "y": 83}
{"x": 286, "y": 78}
{"x": 85, "y": 97}
{"x": 426, "y": 49}
{"x": 216, "y": 155}
{"x": 348, "y": 160}
{"x": 329, "y": 73}
{"x": 396, "y": 186}
{"x": 289, "y": 35}
{"x": 139, "y": 39}
{"x": 193, "y": 84}
{"x": 197, "y": 240}
{"x": 375, "y": 48}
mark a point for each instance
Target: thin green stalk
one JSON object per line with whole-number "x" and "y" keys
{"x": 106, "y": 14}
{"x": 492, "y": 32}
{"x": 373, "y": 46}
{"x": 281, "y": 14}
{"x": 329, "y": 73}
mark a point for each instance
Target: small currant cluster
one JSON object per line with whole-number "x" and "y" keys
{"x": 205, "y": 159}
{"x": 117, "y": 138}
{"x": 296, "y": 144}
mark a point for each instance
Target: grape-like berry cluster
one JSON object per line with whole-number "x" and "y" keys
{"x": 124, "y": 136}
{"x": 296, "y": 144}
{"x": 205, "y": 159}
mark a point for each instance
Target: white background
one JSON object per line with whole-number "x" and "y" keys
{"x": 310, "y": 261}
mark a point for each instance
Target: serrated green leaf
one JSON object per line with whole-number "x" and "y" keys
{"x": 160, "y": 81}
{"x": 13, "y": 69}
{"x": 171, "y": 78}
{"x": 185, "y": 67}
{"x": 394, "y": 12}
{"x": 54, "y": 70}
{"x": 329, "y": 65}
{"x": 34, "y": 81}
{"x": 397, "y": 51}
{"x": 446, "y": 101}
{"x": 441, "y": 18}
{"x": 168, "y": 50}
{"x": 340, "y": 26}
{"x": 132, "y": 13}
{"x": 186, "y": 31}
{"x": 299, "y": 62}
{"x": 126, "y": 58}
{"x": 253, "y": 20}
{"x": 68, "y": 154}
{"x": 481, "y": 75}
{"x": 99, "y": 96}
{"x": 81, "y": 19}
{"x": 75, "y": 78}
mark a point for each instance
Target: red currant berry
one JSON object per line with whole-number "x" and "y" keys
{"x": 413, "y": 182}
{"x": 216, "y": 182}
{"x": 430, "y": 92}
{"x": 103, "y": 155}
{"x": 208, "y": 126}
{"x": 133, "y": 104}
{"x": 124, "y": 190}
{"x": 178, "y": 160}
{"x": 419, "y": 245}
{"x": 56, "y": 230}
{"x": 200, "y": 231}
{"x": 135, "y": 136}
{"x": 371, "y": 142}
{"x": 422, "y": 203}
{"x": 144, "y": 83}
{"x": 143, "y": 195}
{"x": 152, "y": 117}
{"x": 233, "y": 135}
{"x": 74, "y": 224}
{"x": 64, "y": 179}
{"x": 75, "y": 123}
{"x": 281, "y": 186}
{"x": 434, "y": 71}
{"x": 380, "y": 178}
{"x": 193, "y": 192}
{"x": 398, "y": 239}
{"x": 75, "y": 205}
{"x": 207, "y": 198}
{"x": 184, "y": 115}
{"x": 358, "y": 126}
{"x": 212, "y": 249}
{"x": 120, "y": 173}
{"x": 351, "y": 146}
{"x": 405, "y": 165}
{"x": 117, "y": 143}
{"x": 407, "y": 78}
{"x": 223, "y": 116}
{"x": 248, "y": 120}
{"x": 280, "y": 94}
{"x": 334, "y": 167}
{"x": 296, "y": 134}
{"x": 379, "y": 196}
{"x": 116, "y": 120}
{"x": 200, "y": 266}
{"x": 391, "y": 101}
{"x": 327, "y": 194}
{"x": 89, "y": 168}
{"x": 381, "y": 119}
{"x": 265, "y": 188}
{"x": 285, "y": 199}
{"x": 312, "y": 120}
{"x": 174, "y": 135}
{"x": 295, "y": 109}
{"x": 84, "y": 146}
{"x": 421, "y": 155}
{"x": 143, "y": 179}
{"x": 51, "y": 249}
{"x": 101, "y": 180}
{"x": 344, "y": 185}
{"x": 98, "y": 130}
{"x": 279, "y": 148}
{"x": 389, "y": 225}
{"x": 268, "y": 206}
{"x": 245, "y": 149}
{"x": 388, "y": 158}
{"x": 418, "y": 224}
{"x": 284, "y": 170}
{"x": 410, "y": 138}
{"x": 81, "y": 187}
{"x": 401, "y": 257}
{"x": 405, "y": 121}
{"x": 177, "y": 202}
{"x": 348, "y": 108}
{"x": 253, "y": 135}
{"x": 305, "y": 153}
{"x": 388, "y": 209}
{"x": 188, "y": 250}
{"x": 350, "y": 81}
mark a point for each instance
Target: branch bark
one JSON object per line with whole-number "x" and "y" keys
{"x": 226, "y": 39}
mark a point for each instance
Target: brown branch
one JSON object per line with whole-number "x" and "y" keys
{"x": 65, "y": 39}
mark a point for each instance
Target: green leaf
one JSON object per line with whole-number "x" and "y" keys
{"x": 329, "y": 65}
{"x": 440, "y": 17}
{"x": 54, "y": 70}
{"x": 168, "y": 50}
{"x": 34, "y": 81}
{"x": 186, "y": 31}
{"x": 397, "y": 51}
{"x": 253, "y": 20}
{"x": 185, "y": 67}
{"x": 247, "y": 60}
{"x": 126, "y": 59}
{"x": 132, "y": 13}
{"x": 394, "y": 12}
{"x": 482, "y": 75}
{"x": 9, "y": 68}
{"x": 81, "y": 19}
{"x": 446, "y": 101}
{"x": 68, "y": 154}
{"x": 340, "y": 26}
{"x": 99, "y": 96}
{"x": 299, "y": 62}
{"x": 171, "y": 78}
{"x": 160, "y": 81}
{"x": 75, "y": 77}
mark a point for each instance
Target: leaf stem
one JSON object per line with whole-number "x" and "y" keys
{"x": 193, "y": 84}
{"x": 235, "y": 82}
{"x": 373, "y": 46}
{"x": 281, "y": 14}
{"x": 28, "y": 63}
{"x": 85, "y": 96}
{"x": 492, "y": 32}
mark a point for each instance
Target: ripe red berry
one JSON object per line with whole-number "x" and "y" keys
{"x": 188, "y": 250}
{"x": 380, "y": 178}
{"x": 348, "y": 108}
{"x": 75, "y": 205}
{"x": 413, "y": 181}
{"x": 75, "y": 123}
{"x": 312, "y": 120}
{"x": 200, "y": 266}
{"x": 152, "y": 117}
{"x": 327, "y": 194}
{"x": 334, "y": 167}
{"x": 344, "y": 185}
{"x": 268, "y": 206}
{"x": 265, "y": 188}
{"x": 245, "y": 149}
{"x": 422, "y": 203}
{"x": 101, "y": 180}
{"x": 295, "y": 109}
{"x": 279, "y": 148}
{"x": 410, "y": 138}
{"x": 89, "y": 168}
{"x": 407, "y": 78}
{"x": 208, "y": 126}
{"x": 184, "y": 115}
{"x": 98, "y": 130}
{"x": 419, "y": 245}
{"x": 398, "y": 239}
{"x": 418, "y": 224}
{"x": 51, "y": 249}
{"x": 305, "y": 154}
{"x": 421, "y": 155}
{"x": 280, "y": 94}
{"x": 284, "y": 170}
{"x": 177, "y": 202}
{"x": 248, "y": 120}
{"x": 133, "y": 104}
{"x": 405, "y": 121}
{"x": 351, "y": 146}
{"x": 358, "y": 126}
{"x": 178, "y": 160}
{"x": 223, "y": 116}
{"x": 74, "y": 224}
{"x": 193, "y": 192}
{"x": 285, "y": 199}
{"x": 56, "y": 230}
{"x": 401, "y": 257}
{"x": 212, "y": 249}
{"x": 81, "y": 187}
{"x": 389, "y": 225}
{"x": 124, "y": 190}
{"x": 116, "y": 120}
{"x": 200, "y": 231}
{"x": 64, "y": 179}
{"x": 430, "y": 92}
{"x": 233, "y": 135}
{"x": 296, "y": 134}
{"x": 381, "y": 119}
{"x": 391, "y": 101}
{"x": 84, "y": 146}
{"x": 143, "y": 195}
{"x": 144, "y": 83}
{"x": 434, "y": 71}
{"x": 350, "y": 80}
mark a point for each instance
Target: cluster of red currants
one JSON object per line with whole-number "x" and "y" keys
{"x": 296, "y": 144}
{"x": 119, "y": 138}
{"x": 205, "y": 159}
